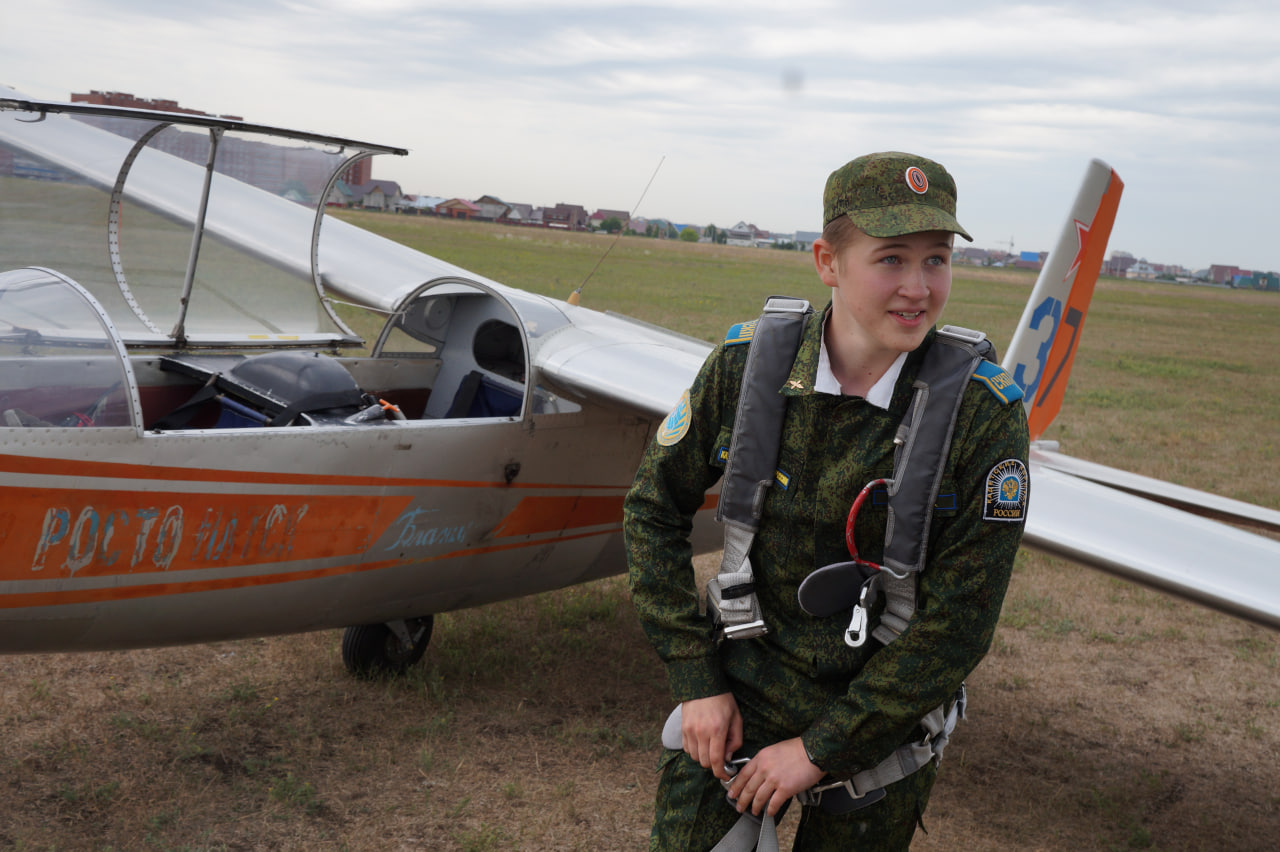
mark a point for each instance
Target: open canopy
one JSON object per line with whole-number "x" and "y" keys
{"x": 109, "y": 197}
{"x": 64, "y": 364}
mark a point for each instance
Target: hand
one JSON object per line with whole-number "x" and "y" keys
{"x": 773, "y": 776}
{"x": 711, "y": 731}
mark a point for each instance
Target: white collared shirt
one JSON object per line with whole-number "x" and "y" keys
{"x": 881, "y": 393}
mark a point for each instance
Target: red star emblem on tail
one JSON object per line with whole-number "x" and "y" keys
{"x": 1082, "y": 236}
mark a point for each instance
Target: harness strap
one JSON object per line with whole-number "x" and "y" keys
{"x": 731, "y": 593}
{"x": 750, "y": 832}
{"x": 753, "y": 460}
{"x": 924, "y": 442}
{"x": 899, "y": 606}
{"x": 923, "y": 445}
{"x": 760, "y": 833}
{"x": 938, "y": 725}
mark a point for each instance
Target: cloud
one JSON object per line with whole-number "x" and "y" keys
{"x": 751, "y": 102}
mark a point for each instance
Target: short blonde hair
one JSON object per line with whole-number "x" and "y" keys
{"x": 839, "y": 233}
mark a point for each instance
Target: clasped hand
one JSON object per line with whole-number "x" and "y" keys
{"x": 711, "y": 731}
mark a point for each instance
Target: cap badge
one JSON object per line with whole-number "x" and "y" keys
{"x": 917, "y": 180}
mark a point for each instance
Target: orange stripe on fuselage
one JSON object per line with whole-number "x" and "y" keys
{"x": 534, "y": 515}
{"x": 66, "y": 597}
{"x": 53, "y": 533}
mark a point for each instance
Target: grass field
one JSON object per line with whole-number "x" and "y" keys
{"x": 1106, "y": 717}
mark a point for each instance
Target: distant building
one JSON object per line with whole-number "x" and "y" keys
{"x": 1221, "y": 274}
{"x": 1118, "y": 264}
{"x": 570, "y": 217}
{"x": 523, "y": 214}
{"x": 124, "y": 99}
{"x": 422, "y": 205}
{"x": 340, "y": 195}
{"x": 1141, "y": 271}
{"x": 380, "y": 195}
{"x": 492, "y": 208}
{"x": 1030, "y": 259}
{"x": 970, "y": 256}
{"x": 1258, "y": 281}
{"x": 1250, "y": 282}
{"x": 746, "y": 234}
{"x": 458, "y": 208}
{"x": 660, "y": 228}
{"x": 804, "y": 239}
{"x": 599, "y": 217}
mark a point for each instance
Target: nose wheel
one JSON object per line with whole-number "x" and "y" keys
{"x": 373, "y": 650}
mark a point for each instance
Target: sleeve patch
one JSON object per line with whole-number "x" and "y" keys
{"x": 1006, "y": 495}
{"x": 741, "y": 333}
{"x": 997, "y": 381}
{"x": 676, "y": 424}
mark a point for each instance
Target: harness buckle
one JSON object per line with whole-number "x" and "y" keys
{"x": 968, "y": 335}
{"x": 750, "y": 630}
{"x": 733, "y": 767}
{"x": 839, "y": 797}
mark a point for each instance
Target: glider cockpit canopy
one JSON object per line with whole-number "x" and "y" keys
{"x": 176, "y": 254}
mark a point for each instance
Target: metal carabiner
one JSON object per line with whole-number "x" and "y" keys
{"x": 856, "y": 634}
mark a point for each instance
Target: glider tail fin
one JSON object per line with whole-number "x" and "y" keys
{"x": 1044, "y": 345}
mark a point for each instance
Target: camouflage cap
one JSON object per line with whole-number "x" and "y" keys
{"x": 891, "y": 194}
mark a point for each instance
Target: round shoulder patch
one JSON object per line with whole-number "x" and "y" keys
{"x": 1006, "y": 498}
{"x": 676, "y": 424}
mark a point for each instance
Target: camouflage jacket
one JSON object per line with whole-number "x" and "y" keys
{"x": 871, "y": 697}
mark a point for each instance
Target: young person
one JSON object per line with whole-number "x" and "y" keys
{"x": 803, "y": 704}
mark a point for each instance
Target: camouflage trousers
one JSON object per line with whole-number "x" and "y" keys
{"x": 777, "y": 703}
{"x": 692, "y": 813}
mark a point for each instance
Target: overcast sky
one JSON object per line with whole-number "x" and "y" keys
{"x": 747, "y": 105}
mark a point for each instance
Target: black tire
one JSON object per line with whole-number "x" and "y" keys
{"x": 374, "y": 650}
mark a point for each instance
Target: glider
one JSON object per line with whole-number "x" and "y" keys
{"x": 194, "y": 445}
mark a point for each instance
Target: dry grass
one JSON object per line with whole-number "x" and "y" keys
{"x": 1106, "y": 716}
